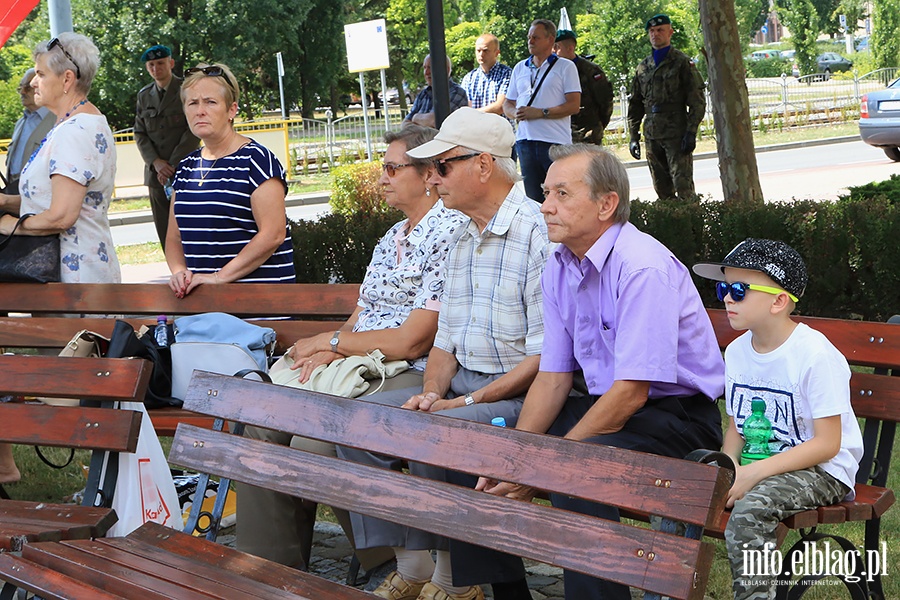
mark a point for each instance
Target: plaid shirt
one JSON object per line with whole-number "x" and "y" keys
{"x": 483, "y": 88}
{"x": 492, "y": 311}
{"x": 425, "y": 100}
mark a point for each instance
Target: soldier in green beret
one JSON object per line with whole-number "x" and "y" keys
{"x": 596, "y": 92}
{"x": 667, "y": 94}
{"x": 161, "y": 132}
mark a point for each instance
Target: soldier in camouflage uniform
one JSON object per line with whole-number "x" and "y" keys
{"x": 596, "y": 93}
{"x": 667, "y": 94}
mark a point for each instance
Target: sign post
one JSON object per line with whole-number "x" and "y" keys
{"x": 367, "y": 50}
{"x": 284, "y": 112}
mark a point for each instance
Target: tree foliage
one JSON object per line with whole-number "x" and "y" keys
{"x": 801, "y": 19}
{"x": 614, "y": 32}
{"x": 886, "y": 33}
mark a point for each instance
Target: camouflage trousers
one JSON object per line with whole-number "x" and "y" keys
{"x": 671, "y": 169}
{"x": 755, "y": 517}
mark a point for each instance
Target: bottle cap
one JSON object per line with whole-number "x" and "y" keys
{"x": 161, "y": 319}
{"x": 758, "y": 405}
{"x": 498, "y": 421}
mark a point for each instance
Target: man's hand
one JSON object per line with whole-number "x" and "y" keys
{"x": 422, "y": 401}
{"x": 163, "y": 169}
{"x": 688, "y": 142}
{"x": 635, "y": 149}
{"x": 510, "y": 490}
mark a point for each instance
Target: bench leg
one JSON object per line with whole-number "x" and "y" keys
{"x": 855, "y": 582}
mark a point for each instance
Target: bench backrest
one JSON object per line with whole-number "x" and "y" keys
{"x": 313, "y": 307}
{"x": 667, "y": 487}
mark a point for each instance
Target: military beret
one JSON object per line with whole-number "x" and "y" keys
{"x": 659, "y": 19}
{"x": 565, "y": 34}
{"x": 154, "y": 52}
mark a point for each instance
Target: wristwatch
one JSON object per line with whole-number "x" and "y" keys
{"x": 334, "y": 341}
{"x": 469, "y": 400}
{"x": 546, "y": 112}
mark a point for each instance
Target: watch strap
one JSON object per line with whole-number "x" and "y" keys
{"x": 334, "y": 341}
{"x": 469, "y": 399}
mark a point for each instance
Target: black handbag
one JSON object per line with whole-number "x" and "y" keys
{"x": 29, "y": 258}
{"x": 124, "y": 342}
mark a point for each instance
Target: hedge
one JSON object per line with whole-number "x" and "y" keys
{"x": 851, "y": 246}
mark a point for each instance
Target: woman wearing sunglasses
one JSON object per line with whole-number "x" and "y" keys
{"x": 68, "y": 182}
{"x": 397, "y": 313}
{"x": 227, "y": 222}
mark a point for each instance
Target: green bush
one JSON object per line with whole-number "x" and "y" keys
{"x": 355, "y": 188}
{"x": 768, "y": 67}
{"x": 889, "y": 189}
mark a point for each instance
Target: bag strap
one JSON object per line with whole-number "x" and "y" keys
{"x": 5, "y": 241}
{"x": 541, "y": 82}
{"x": 54, "y": 465}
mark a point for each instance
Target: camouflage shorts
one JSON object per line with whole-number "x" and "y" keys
{"x": 755, "y": 518}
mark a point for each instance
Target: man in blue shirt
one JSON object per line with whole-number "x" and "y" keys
{"x": 422, "y": 111}
{"x": 486, "y": 84}
{"x": 28, "y": 133}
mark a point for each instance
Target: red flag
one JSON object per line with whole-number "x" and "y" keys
{"x": 13, "y": 14}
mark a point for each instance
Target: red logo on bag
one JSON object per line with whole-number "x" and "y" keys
{"x": 153, "y": 507}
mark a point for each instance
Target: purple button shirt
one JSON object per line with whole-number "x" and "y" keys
{"x": 629, "y": 311}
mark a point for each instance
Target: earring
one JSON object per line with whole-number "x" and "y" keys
{"x": 428, "y": 192}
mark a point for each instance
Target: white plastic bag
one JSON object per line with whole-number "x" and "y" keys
{"x": 145, "y": 490}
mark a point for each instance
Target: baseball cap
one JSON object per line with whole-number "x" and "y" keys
{"x": 155, "y": 52}
{"x": 482, "y": 132}
{"x": 565, "y": 34}
{"x": 776, "y": 259}
{"x": 658, "y": 19}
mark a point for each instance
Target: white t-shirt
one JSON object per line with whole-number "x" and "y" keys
{"x": 561, "y": 80}
{"x": 805, "y": 378}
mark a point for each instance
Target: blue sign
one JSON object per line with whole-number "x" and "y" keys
{"x": 764, "y": 30}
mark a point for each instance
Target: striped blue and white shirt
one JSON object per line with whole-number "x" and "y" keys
{"x": 483, "y": 88}
{"x": 214, "y": 215}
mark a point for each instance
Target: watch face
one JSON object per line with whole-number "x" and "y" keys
{"x": 334, "y": 341}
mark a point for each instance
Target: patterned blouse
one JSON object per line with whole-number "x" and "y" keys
{"x": 407, "y": 271}
{"x": 83, "y": 149}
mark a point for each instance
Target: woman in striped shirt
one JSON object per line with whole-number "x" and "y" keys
{"x": 228, "y": 220}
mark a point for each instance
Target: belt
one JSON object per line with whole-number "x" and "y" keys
{"x": 663, "y": 108}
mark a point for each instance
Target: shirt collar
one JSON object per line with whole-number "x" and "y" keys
{"x": 420, "y": 231}
{"x": 41, "y": 112}
{"x": 529, "y": 62}
{"x": 597, "y": 255}
{"x": 502, "y": 220}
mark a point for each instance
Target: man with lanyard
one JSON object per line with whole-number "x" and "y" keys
{"x": 667, "y": 94}
{"x": 596, "y": 92}
{"x": 28, "y": 133}
{"x": 544, "y": 93}
{"x": 161, "y": 132}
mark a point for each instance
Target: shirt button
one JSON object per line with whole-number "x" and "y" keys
{"x": 476, "y": 286}
{"x": 588, "y": 352}
{"x": 583, "y": 287}
{"x": 471, "y": 353}
{"x": 585, "y": 319}
{"x": 478, "y": 252}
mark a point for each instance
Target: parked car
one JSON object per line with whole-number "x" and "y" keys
{"x": 862, "y": 43}
{"x": 763, "y": 54}
{"x": 832, "y": 62}
{"x": 393, "y": 96}
{"x": 879, "y": 120}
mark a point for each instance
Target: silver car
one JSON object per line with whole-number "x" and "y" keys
{"x": 879, "y": 120}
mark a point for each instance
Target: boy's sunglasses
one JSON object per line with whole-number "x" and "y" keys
{"x": 738, "y": 290}
{"x": 55, "y": 43}
{"x": 391, "y": 168}
{"x": 211, "y": 71}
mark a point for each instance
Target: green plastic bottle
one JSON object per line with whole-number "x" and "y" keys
{"x": 757, "y": 433}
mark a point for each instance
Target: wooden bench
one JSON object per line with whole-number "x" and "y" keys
{"x": 102, "y": 430}
{"x": 876, "y": 399}
{"x": 160, "y": 563}
{"x": 36, "y": 321}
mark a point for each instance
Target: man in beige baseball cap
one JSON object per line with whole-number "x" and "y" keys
{"x": 488, "y": 343}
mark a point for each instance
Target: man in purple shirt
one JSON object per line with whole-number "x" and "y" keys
{"x": 624, "y": 311}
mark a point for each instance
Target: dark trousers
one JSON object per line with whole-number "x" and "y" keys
{"x": 159, "y": 206}
{"x": 534, "y": 160}
{"x": 669, "y": 427}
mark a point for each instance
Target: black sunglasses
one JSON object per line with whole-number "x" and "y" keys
{"x": 441, "y": 165}
{"x": 211, "y": 71}
{"x": 55, "y": 43}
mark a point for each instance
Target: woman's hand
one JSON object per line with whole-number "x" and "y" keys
{"x": 179, "y": 282}
{"x": 502, "y": 488}
{"x": 309, "y": 364}
{"x": 304, "y": 348}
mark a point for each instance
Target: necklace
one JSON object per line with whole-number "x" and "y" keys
{"x": 204, "y": 174}
{"x": 74, "y": 108}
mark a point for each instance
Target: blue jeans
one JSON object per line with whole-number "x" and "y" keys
{"x": 534, "y": 158}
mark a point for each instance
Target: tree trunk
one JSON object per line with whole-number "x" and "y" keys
{"x": 730, "y": 102}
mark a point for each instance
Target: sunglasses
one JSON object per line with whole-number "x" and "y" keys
{"x": 391, "y": 168}
{"x": 738, "y": 290}
{"x": 55, "y": 43}
{"x": 441, "y": 165}
{"x": 211, "y": 71}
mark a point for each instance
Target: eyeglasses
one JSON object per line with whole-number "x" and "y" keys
{"x": 55, "y": 43}
{"x": 391, "y": 168}
{"x": 441, "y": 165}
{"x": 738, "y": 290}
{"x": 211, "y": 71}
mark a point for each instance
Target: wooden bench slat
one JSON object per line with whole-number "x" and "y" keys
{"x": 875, "y": 396}
{"x": 58, "y": 513}
{"x": 166, "y": 420}
{"x": 500, "y": 523}
{"x": 97, "y": 571}
{"x": 227, "y": 577}
{"x": 643, "y": 482}
{"x": 97, "y": 378}
{"x": 48, "y": 584}
{"x": 173, "y": 543}
{"x": 71, "y": 427}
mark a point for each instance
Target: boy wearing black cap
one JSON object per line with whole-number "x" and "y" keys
{"x": 804, "y": 381}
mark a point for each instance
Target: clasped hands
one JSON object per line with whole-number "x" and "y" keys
{"x": 307, "y": 355}
{"x": 432, "y": 402}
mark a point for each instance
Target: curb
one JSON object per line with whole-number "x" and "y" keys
{"x": 134, "y": 217}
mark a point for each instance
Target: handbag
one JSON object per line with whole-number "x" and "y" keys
{"x": 84, "y": 344}
{"x": 29, "y": 258}
{"x": 124, "y": 343}
{"x": 219, "y": 343}
{"x": 348, "y": 377}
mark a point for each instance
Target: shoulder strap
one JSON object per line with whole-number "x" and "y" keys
{"x": 543, "y": 77}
